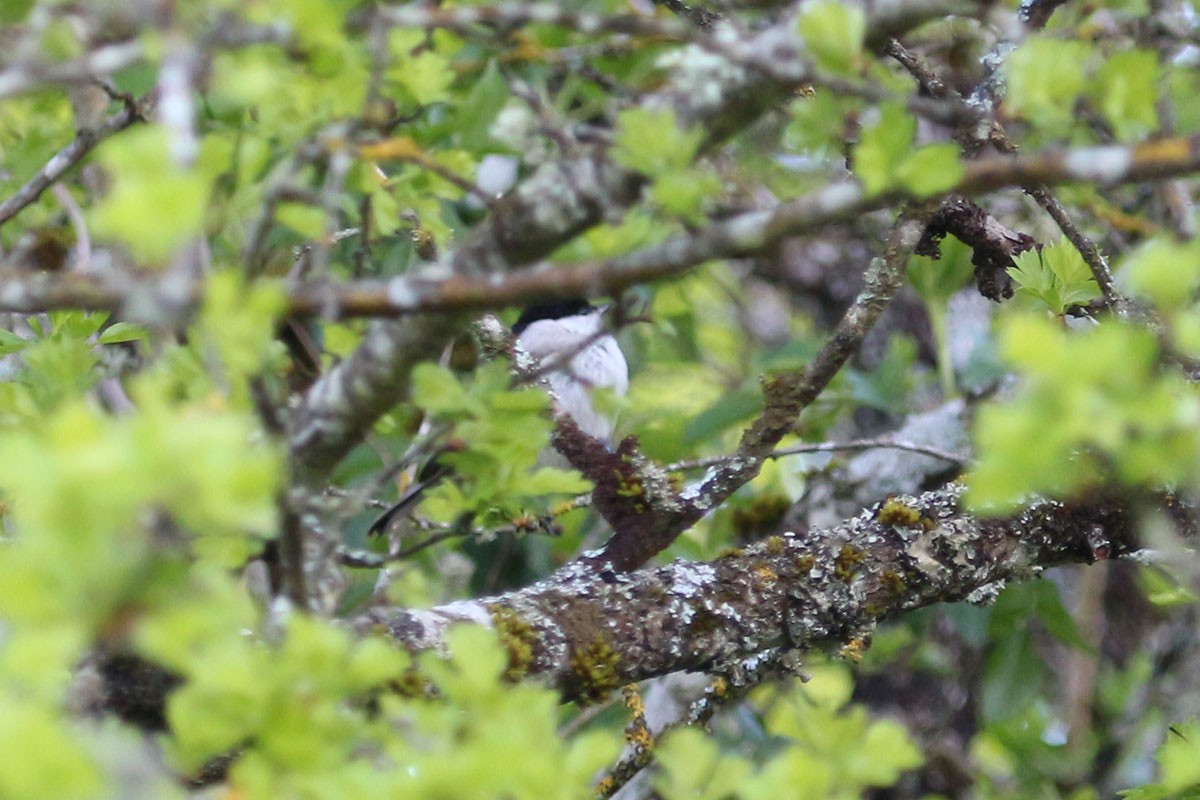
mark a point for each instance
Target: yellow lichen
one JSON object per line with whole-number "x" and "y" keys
{"x": 594, "y": 667}
{"x": 847, "y": 561}
{"x": 854, "y": 650}
{"x": 894, "y": 582}
{"x": 895, "y": 512}
{"x": 766, "y": 574}
{"x": 774, "y": 545}
{"x": 517, "y": 637}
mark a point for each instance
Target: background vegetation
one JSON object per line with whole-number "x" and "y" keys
{"x": 909, "y": 293}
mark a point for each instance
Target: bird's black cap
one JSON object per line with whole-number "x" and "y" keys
{"x": 556, "y": 310}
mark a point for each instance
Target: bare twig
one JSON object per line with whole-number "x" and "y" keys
{"x": 68, "y": 157}
{"x": 882, "y": 442}
{"x": 101, "y": 61}
{"x": 365, "y": 559}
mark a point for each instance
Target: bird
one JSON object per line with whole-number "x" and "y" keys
{"x": 571, "y": 343}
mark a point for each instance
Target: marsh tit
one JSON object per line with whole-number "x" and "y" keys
{"x": 571, "y": 343}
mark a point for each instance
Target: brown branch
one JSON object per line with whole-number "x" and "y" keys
{"x": 744, "y": 234}
{"x": 646, "y": 527}
{"x": 992, "y": 244}
{"x": 62, "y": 161}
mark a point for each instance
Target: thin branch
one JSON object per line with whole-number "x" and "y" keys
{"x": 521, "y": 14}
{"x": 649, "y": 527}
{"x": 1032, "y": 12}
{"x": 103, "y": 60}
{"x": 745, "y": 234}
{"x": 882, "y": 442}
{"x": 62, "y": 161}
{"x": 365, "y": 559}
{"x": 1092, "y": 256}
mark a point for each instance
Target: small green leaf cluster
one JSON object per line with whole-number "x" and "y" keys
{"x": 1046, "y": 76}
{"x": 831, "y": 750}
{"x": 108, "y": 518}
{"x": 886, "y": 159}
{"x": 505, "y": 430}
{"x": 651, "y": 142}
{"x": 834, "y": 33}
{"x": 1056, "y": 274}
{"x": 317, "y": 713}
{"x": 1179, "y": 760}
{"x": 1090, "y": 405}
{"x": 1167, "y": 274}
{"x": 155, "y": 205}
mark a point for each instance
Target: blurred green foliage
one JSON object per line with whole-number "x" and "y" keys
{"x": 131, "y": 530}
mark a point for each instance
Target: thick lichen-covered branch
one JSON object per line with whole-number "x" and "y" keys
{"x": 590, "y": 632}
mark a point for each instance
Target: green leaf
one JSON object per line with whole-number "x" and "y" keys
{"x": 686, "y": 193}
{"x": 882, "y": 146}
{"x": 1163, "y": 590}
{"x": 1179, "y": 757}
{"x": 935, "y": 281}
{"x": 12, "y": 343}
{"x": 556, "y": 481}
{"x": 43, "y": 755}
{"x": 436, "y": 389}
{"x": 1126, "y": 89}
{"x": 651, "y": 142}
{"x": 1045, "y": 76}
{"x": 475, "y": 116}
{"x": 122, "y": 332}
{"x": 306, "y": 220}
{"x": 930, "y": 170}
{"x": 834, "y": 32}
{"x": 1012, "y": 676}
{"x": 1057, "y": 275}
{"x": 732, "y": 408}
{"x": 154, "y": 205}
{"x": 14, "y": 11}
{"x": 1164, "y": 271}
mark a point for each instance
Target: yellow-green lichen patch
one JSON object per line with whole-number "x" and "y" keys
{"x": 594, "y": 669}
{"x": 517, "y": 637}
{"x": 896, "y": 512}
{"x": 846, "y": 564}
